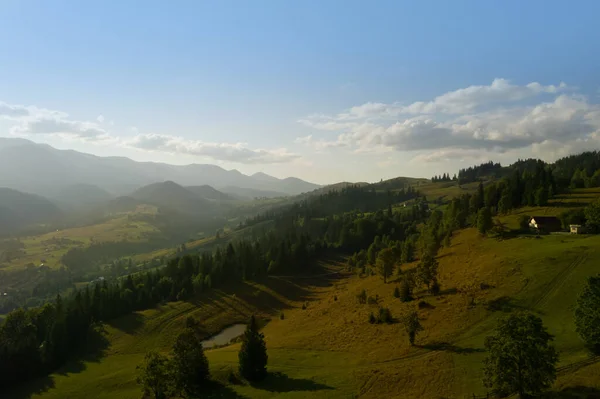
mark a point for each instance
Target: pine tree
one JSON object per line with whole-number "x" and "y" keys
{"x": 189, "y": 362}
{"x": 253, "y": 353}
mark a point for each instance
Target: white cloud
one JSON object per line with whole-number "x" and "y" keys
{"x": 495, "y": 118}
{"x": 233, "y": 152}
{"x": 100, "y": 118}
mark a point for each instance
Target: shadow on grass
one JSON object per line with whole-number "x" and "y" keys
{"x": 279, "y": 382}
{"x": 448, "y": 347}
{"x": 218, "y": 390}
{"x": 128, "y": 324}
{"x": 578, "y": 392}
{"x": 505, "y": 304}
{"x": 94, "y": 350}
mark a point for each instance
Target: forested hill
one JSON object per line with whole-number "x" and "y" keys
{"x": 575, "y": 171}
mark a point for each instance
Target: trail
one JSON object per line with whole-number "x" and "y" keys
{"x": 559, "y": 280}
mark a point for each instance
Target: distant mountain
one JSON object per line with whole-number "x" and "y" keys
{"x": 80, "y": 196}
{"x": 260, "y": 176}
{"x": 20, "y": 210}
{"x": 40, "y": 169}
{"x": 209, "y": 193}
{"x": 172, "y": 196}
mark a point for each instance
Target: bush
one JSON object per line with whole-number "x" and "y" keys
{"x": 372, "y": 318}
{"x": 372, "y": 300}
{"x": 362, "y": 297}
{"x": 524, "y": 223}
{"x": 396, "y": 292}
{"x": 385, "y": 316}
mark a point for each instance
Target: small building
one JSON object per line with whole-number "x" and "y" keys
{"x": 545, "y": 224}
{"x": 577, "y": 229}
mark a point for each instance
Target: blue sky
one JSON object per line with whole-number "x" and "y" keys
{"x": 322, "y": 90}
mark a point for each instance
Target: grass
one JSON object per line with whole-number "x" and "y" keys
{"x": 330, "y": 350}
{"x": 50, "y": 247}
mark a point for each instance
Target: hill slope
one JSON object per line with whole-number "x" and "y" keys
{"x": 210, "y": 193}
{"x": 81, "y": 196}
{"x": 172, "y": 196}
{"x": 19, "y": 210}
{"x": 330, "y": 350}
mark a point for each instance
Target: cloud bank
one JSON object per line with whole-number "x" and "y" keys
{"x": 497, "y": 118}
{"x": 32, "y": 121}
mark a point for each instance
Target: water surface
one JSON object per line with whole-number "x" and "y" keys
{"x": 224, "y": 336}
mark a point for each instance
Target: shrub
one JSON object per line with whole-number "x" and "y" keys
{"x": 362, "y": 297}
{"x": 372, "y": 300}
{"x": 396, "y": 292}
{"x": 372, "y": 318}
{"x": 385, "y": 316}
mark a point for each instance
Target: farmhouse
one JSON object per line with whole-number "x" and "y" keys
{"x": 545, "y": 223}
{"x": 577, "y": 229}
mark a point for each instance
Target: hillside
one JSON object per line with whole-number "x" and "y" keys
{"x": 80, "y": 196}
{"x": 20, "y": 210}
{"x": 209, "y": 193}
{"x": 330, "y": 350}
{"x": 324, "y": 346}
{"x": 40, "y": 168}
{"x": 251, "y": 193}
{"x": 172, "y": 196}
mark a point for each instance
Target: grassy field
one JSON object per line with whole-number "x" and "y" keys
{"x": 48, "y": 248}
{"x": 330, "y": 350}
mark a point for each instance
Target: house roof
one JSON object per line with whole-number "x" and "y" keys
{"x": 545, "y": 219}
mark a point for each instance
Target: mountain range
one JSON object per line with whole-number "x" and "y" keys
{"x": 43, "y": 170}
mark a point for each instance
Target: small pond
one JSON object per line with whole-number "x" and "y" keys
{"x": 224, "y": 336}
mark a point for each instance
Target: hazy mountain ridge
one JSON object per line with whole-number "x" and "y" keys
{"x": 40, "y": 168}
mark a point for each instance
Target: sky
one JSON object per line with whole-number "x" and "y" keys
{"x": 327, "y": 91}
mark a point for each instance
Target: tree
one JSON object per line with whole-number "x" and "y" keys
{"x": 524, "y": 223}
{"x": 189, "y": 363}
{"x": 405, "y": 293}
{"x": 587, "y": 314}
{"x": 253, "y": 354}
{"x": 541, "y": 196}
{"x": 427, "y": 270}
{"x": 592, "y": 215}
{"x": 412, "y": 325}
{"x": 155, "y": 376}
{"x": 484, "y": 220}
{"x": 520, "y": 357}
{"x": 408, "y": 250}
{"x": 385, "y": 263}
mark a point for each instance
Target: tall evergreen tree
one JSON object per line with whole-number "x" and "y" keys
{"x": 189, "y": 362}
{"x": 253, "y": 353}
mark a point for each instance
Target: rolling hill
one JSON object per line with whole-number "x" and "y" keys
{"x": 170, "y": 195}
{"x": 40, "y": 168}
{"x": 21, "y": 210}
{"x": 210, "y": 193}
{"x": 80, "y": 196}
